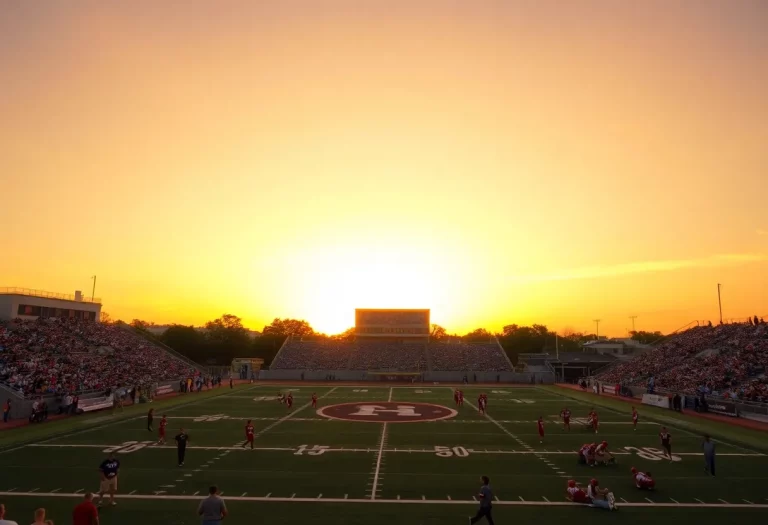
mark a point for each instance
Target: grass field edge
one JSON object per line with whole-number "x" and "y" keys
{"x": 728, "y": 434}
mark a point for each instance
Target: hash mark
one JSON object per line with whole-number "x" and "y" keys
{"x": 243, "y": 494}
{"x": 673, "y": 499}
{"x": 293, "y": 495}
{"x": 545, "y": 499}
{"x": 56, "y": 490}
{"x": 78, "y": 491}
{"x": 521, "y": 498}
{"x": 423, "y": 497}
{"x": 320, "y": 495}
{"x": 34, "y": 489}
{"x": 449, "y": 497}
{"x": 268, "y": 495}
{"x": 196, "y": 493}
{"x": 649, "y": 500}
{"x": 747, "y": 501}
{"x": 625, "y": 501}
{"x": 697, "y": 499}
{"x": 723, "y": 501}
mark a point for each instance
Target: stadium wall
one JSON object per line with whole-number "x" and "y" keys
{"x": 9, "y": 306}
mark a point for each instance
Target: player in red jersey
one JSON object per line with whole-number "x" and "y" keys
{"x": 566, "y": 416}
{"x": 540, "y": 424}
{"x": 248, "y": 434}
{"x": 461, "y": 398}
{"x": 575, "y": 493}
{"x": 634, "y": 418}
{"x": 643, "y": 480}
{"x": 314, "y": 400}
{"x": 481, "y": 403}
{"x": 161, "y": 430}
{"x": 289, "y": 400}
{"x": 592, "y": 420}
{"x": 456, "y": 396}
{"x": 602, "y": 498}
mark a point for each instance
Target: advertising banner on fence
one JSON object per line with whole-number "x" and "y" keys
{"x": 94, "y": 403}
{"x": 164, "y": 389}
{"x": 609, "y": 389}
{"x": 657, "y": 401}
{"x": 722, "y": 407}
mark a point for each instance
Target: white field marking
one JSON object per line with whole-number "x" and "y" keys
{"x": 293, "y": 495}
{"x": 671, "y": 423}
{"x": 78, "y": 491}
{"x": 382, "y": 442}
{"x": 34, "y": 489}
{"x": 521, "y": 498}
{"x": 195, "y": 494}
{"x": 697, "y": 499}
{"x": 290, "y": 415}
{"x": 718, "y": 499}
{"x": 449, "y": 497}
{"x": 99, "y": 427}
{"x": 625, "y": 501}
{"x": 55, "y": 490}
{"x": 398, "y": 496}
{"x": 243, "y": 494}
{"x": 673, "y": 499}
{"x": 534, "y": 503}
{"x": 347, "y": 495}
{"x": 187, "y": 475}
{"x": 649, "y": 500}
{"x": 133, "y": 492}
{"x": 747, "y": 501}
{"x": 423, "y": 497}
{"x": 545, "y": 499}
{"x": 390, "y": 395}
{"x": 319, "y": 496}
{"x": 268, "y": 494}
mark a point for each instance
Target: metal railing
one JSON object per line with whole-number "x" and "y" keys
{"x": 29, "y": 292}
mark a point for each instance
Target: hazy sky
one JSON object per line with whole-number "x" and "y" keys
{"x": 496, "y": 162}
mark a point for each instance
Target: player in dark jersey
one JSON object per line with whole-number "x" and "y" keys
{"x": 150, "y": 417}
{"x": 540, "y": 424}
{"x": 181, "y": 445}
{"x": 634, "y": 418}
{"x": 108, "y": 472}
{"x": 666, "y": 442}
{"x": 248, "y": 434}
{"x": 314, "y": 400}
{"x": 566, "y": 416}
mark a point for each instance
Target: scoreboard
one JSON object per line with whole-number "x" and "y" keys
{"x": 392, "y": 323}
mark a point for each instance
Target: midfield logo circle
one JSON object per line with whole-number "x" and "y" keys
{"x": 387, "y": 412}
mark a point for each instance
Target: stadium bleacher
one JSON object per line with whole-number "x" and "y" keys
{"x": 54, "y": 356}
{"x": 719, "y": 360}
{"x": 382, "y": 355}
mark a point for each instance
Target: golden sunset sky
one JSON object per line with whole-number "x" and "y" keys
{"x": 498, "y": 162}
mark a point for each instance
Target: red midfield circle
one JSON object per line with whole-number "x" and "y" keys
{"x": 387, "y": 412}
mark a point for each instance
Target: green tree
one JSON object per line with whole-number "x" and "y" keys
{"x": 138, "y": 324}
{"x": 105, "y": 318}
{"x": 188, "y": 341}
{"x": 286, "y": 327}
{"x": 479, "y": 334}
{"x": 437, "y": 332}
{"x": 646, "y": 338}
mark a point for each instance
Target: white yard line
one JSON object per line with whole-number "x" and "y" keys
{"x": 423, "y": 501}
{"x": 289, "y": 416}
{"x": 382, "y": 442}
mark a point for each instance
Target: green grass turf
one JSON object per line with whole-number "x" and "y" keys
{"x": 416, "y": 484}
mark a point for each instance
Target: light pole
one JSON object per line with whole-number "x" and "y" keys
{"x": 597, "y": 328}
{"x": 93, "y": 292}
{"x": 719, "y": 304}
{"x": 633, "y": 317}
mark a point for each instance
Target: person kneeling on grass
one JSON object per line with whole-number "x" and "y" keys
{"x": 602, "y": 456}
{"x": 643, "y": 480}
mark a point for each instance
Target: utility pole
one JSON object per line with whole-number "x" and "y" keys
{"x": 597, "y": 328}
{"x": 719, "y": 304}
{"x": 93, "y": 292}
{"x": 633, "y": 317}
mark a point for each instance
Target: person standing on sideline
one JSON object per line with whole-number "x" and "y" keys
{"x": 181, "y": 445}
{"x": 486, "y": 502}
{"x": 6, "y": 411}
{"x": 709, "y": 455}
{"x": 150, "y": 417}
{"x": 212, "y": 509}
{"x": 86, "y": 512}
{"x": 4, "y": 521}
{"x": 108, "y": 470}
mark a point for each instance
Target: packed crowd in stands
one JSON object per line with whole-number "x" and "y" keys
{"x": 378, "y": 355}
{"x": 722, "y": 360}
{"x": 56, "y": 356}
{"x": 487, "y": 357}
{"x": 389, "y": 356}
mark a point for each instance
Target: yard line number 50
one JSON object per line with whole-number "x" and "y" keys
{"x": 447, "y": 452}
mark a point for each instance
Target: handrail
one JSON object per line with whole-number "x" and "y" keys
{"x": 29, "y": 292}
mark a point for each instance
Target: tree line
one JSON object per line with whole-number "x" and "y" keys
{"x": 223, "y": 339}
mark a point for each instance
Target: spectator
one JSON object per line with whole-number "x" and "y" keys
{"x": 709, "y": 455}
{"x": 85, "y": 513}
{"x": 7, "y": 410}
{"x": 40, "y": 518}
{"x": 4, "y": 521}
{"x": 212, "y": 509}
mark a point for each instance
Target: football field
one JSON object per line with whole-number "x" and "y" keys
{"x": 380, "y": 454}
